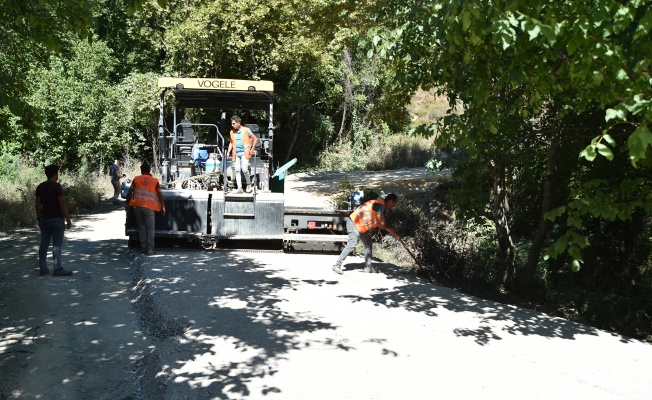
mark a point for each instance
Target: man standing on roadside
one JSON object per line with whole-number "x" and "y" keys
{"x": 243, "y": 143}
{"x": 366, "y": 217}
{"x": 51, "y": 209}
{"x": 146, "y": 198}
{"x": 114, "y": 172}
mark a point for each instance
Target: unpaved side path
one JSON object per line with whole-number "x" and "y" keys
{"x": 69, "y": 337}
{"x": 316, "y": 189}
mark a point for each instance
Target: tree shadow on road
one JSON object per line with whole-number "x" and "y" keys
{"x": 247, "y": 320}
{"x": 205, "y": 330}
{"x": 495, "y": 319}
{"x": 79, "y": 330}
{"x": 233, "y": 305}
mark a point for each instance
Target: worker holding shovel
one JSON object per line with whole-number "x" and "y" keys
{"x": 366, "y": 217}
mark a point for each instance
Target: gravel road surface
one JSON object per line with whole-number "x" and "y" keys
{"x": 194, "y": 324}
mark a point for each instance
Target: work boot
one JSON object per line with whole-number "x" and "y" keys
{"x": 338, "y": 269}
{"x": 248, "y": 188}
{"x": 61, "y": 272}
{"x": 150, "y": 252}
{"x": 370, "y": 269}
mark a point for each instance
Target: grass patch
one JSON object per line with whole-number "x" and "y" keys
{"x": 385, "y": 153}
{"x": 83, "y": 188}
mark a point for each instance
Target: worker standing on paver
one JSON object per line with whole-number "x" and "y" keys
{"x": 366, "y": 217}
{"x": 243, "y": 143}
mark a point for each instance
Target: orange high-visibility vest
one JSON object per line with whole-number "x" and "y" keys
{"x": 247, "y": 141}
{"x": 145, "y": 193}
{"x": 365, "y": 217}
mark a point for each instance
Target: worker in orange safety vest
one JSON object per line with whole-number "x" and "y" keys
{"x": 145, "y": 198}
{"x": 366, "y": 217}
{"x": 243, "y": 143}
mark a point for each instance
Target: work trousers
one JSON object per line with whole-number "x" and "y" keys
{"x": 116, "y": 190}
{"x": 241, "y": 164}
{"x": 51, "y": 231}
{"x": 354, "y": 237}
{"x": 145, "y": 220}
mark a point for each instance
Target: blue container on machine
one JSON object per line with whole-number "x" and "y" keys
{"x": 357, "y": 198}
{"x": 212, "y": 164}
{"x": 202, "y": 155}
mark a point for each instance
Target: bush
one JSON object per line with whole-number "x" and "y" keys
{"x": 386, "y": 152}
{"x": 82, "y": 188}
{"x": 17, "y": 199}
{"x": 10, "y": 165}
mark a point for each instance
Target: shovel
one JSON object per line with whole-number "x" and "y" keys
{"x": 414, "y": 258}
{"x": 417, "y": 262}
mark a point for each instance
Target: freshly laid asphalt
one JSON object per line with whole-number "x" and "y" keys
{"x": 259, "y": 325}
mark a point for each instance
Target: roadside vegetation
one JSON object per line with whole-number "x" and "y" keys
{"x": 83, "y": 188}
{"x": 462, "y": 252}
{"x": 543, "y": 115}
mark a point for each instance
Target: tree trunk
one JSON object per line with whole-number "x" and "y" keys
{"x": 347, "y": 85}
{"x": 295, "y": 135}
{"x": 529, "y": 272}
{"x": 339, "y": 135}
{"x": 500, "y": 205}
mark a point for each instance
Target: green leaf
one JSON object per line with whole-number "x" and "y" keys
{"x": 644, "y": 25}
{"x": 574, "y": 222}
{"x": 589, "y": 153}
{"x": 609, "y": 139}
{"x": 512, "y": 20}
{"x": 638, "y": 142}
{"x": 575, "y": 266}
{"x": 640, "y": 105}
{"x": 162, "y": 3}
{"x": 493, "y": 129}
{"x": 605, "y": 151}
{"x": 555, "y": 213}
{"x": 549, "y": 33}
{"x": 466, "y": 20}
{"x": 533, "y": 31}
{"x": 613, "y": 113}
{"x": 573, "y": 44}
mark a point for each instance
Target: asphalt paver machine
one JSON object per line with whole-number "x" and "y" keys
{"x": 198, "y": 179}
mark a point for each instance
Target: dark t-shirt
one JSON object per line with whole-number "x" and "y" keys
{"x": 49, "y": 192}
{"x": 113, "y": 171}
{"x": 378, "y": 208}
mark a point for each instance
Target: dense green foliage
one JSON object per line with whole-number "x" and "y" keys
{"x": 546, "y": 126}
{"x": 540, "y": 86}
